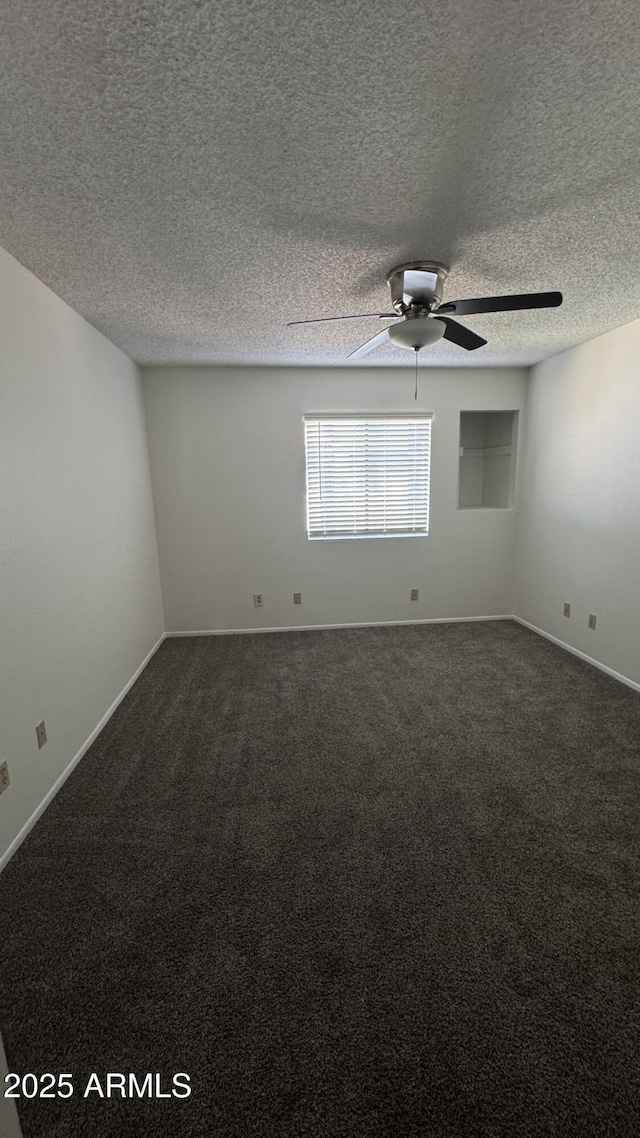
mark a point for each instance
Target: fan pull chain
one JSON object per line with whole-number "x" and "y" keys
{"x": 416, "y": 391}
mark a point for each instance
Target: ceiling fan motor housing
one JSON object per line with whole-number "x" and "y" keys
{"x": 418, "y": 285}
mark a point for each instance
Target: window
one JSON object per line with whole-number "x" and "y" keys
{"x": 367, "y": 475}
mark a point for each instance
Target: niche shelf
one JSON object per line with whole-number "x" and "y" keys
{"x": 486, "y": 463}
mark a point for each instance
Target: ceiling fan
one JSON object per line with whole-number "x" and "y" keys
{"x": 416, "y": 297}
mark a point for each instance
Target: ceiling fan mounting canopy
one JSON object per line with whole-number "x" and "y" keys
{"x": 422, "y": 318}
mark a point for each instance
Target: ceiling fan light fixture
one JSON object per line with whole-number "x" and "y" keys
{"x": 418, "y": 332}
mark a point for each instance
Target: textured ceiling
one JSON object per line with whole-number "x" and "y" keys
{"x": 189, "y": 175}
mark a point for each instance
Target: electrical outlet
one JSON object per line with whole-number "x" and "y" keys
{"x": 414, "y": 594}
{"x": 41, "y": 733}
{"x": 297, "y": 598}
{"x": 4, "y": 776}
{"x": 567, "y": 608}
{"x": 258, "y": 600}
{"x": 592, "y": 620}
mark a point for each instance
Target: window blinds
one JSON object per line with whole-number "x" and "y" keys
{"x": 367, "y": 476}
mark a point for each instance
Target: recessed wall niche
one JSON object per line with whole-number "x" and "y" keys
{"x": 487, "y": 459}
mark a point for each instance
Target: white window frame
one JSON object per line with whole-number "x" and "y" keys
{"x": 322, "y": 524}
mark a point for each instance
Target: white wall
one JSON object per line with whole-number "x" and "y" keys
{"x": 579, "y": 506}
{"x": 227, "y": 460}
{"x": 80, "y": 602}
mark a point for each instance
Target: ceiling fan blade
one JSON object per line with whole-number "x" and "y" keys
{"x": 500, "y": 303}
{"x": 369, "y": 345}
{"x": 460, "y": 335}
{"x": 327, "y": 319}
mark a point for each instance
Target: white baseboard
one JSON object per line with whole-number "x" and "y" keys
{"x": 320, "y": 627}
{"x": 19, "y": 838}
{"x": 577, "y": 652}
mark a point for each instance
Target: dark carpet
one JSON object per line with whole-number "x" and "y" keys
{"x": 364, "y": 882}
